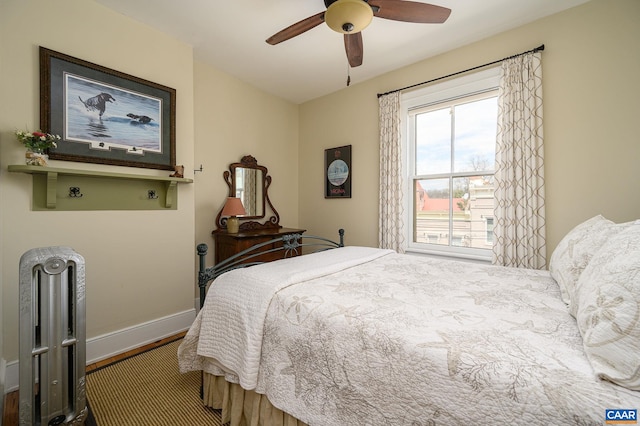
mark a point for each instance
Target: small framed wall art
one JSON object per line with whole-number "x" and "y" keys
{"x": 337, "y": 172}
{"x": 106, "y": 116}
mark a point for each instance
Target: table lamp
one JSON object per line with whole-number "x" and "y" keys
{"x": 232, "y": 208}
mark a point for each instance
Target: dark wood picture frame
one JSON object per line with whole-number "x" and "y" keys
{"x": 337, "y": 172}
{"x": 106, "y": 116}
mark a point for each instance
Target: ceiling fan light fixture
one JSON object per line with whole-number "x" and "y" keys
{"x": 348, "y": 16}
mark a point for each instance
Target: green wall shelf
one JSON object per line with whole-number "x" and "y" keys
{"x": 71, "y": 189}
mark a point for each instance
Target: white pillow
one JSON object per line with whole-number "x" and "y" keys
{"x": 608, "y": 309}
{"x": 576, "y": 249}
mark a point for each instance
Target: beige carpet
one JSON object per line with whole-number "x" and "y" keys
{"x": 148, "y": 389}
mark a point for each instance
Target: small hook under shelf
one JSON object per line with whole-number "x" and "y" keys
{"x": 74, "y": 192}
{"x": 152, "y": 194}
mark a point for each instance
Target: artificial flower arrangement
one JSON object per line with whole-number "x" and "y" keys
{"x": 36, "y": 144}
{"x": 37, "y": 141}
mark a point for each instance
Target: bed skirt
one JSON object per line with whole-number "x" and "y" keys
{"x": 242, "y": 407}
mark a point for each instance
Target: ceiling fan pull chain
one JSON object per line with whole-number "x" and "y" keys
{"x": 348, "y": 74}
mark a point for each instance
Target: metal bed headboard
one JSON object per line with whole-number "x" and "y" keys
{"x": 292, "y": 245}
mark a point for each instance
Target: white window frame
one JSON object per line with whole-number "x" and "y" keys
{"x": 467, "y": 85}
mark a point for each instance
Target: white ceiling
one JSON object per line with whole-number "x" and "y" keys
{"x": 230, "y": 35}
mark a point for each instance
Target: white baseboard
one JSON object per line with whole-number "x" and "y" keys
{"x": 108, "y": 345}
{"x": 111, "y": 344}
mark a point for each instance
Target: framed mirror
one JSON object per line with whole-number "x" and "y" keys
{"x": 249, "y": 181}
{"x": 247, "y": 184}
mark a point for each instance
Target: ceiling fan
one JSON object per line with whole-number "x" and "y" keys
{"x": 350, "y": 17}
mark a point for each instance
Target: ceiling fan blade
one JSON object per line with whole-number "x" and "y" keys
{"x": 297, "y": 29}
{"x": 410, "y": 11}
{"x": 353, "y": 47}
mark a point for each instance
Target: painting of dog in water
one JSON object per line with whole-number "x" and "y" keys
{"x": 98, "y": 102}
{"x": 108, "y": 117}
{"x": 105, "y": 116}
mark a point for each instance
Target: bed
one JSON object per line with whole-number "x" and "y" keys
{"x": 364, "y": 336}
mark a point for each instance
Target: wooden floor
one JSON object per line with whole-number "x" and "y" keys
{"x": 10, "y": 415}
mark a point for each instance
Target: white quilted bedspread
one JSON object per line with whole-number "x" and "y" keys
{"x": 405, "y": 340}
{"x": 231, "y": 333}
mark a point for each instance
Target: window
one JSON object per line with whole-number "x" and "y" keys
{"x": 450, "y": 163}
{"x": 489, "y": 227}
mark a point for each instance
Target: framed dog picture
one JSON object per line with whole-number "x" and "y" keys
{"x": 337, "y": 172}
{"x": 105, "y": 116}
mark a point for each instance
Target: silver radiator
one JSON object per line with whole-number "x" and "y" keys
{"x": 52, "y": 337}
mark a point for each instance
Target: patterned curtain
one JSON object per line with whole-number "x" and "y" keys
{"x": 250, "y": 188}
{"x": 519, "y": 232}
{"x": 391, "y": 223}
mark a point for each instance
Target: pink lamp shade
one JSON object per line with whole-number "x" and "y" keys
{"x": 233, "y": 207}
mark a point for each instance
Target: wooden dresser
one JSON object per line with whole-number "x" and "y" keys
{"x": 226, "y": 244}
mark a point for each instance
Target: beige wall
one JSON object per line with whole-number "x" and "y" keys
{"x": 591, "y": 101}
{"x": 140, "y": 265}
{"x": 232, "y": 120}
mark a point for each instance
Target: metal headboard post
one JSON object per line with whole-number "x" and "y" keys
{"x": 202, "y": 282}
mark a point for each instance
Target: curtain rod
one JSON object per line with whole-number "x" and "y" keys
{"x": 537, "y": 49}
